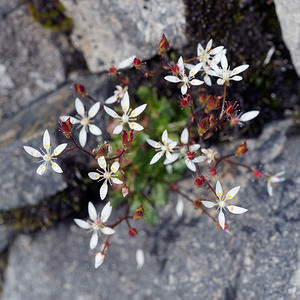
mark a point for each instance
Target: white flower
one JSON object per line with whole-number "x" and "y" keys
{"x": 128, "y": 116}
{"x": 99, "y": 259}
{"x": 188, "y": 152}
{"x": 96, "y": 223}
{"x": 47, "y": 157}
{"x": 84, "y": 120}
{"x": 221, "y": 203}
{"x": 272, "y": 180}
{"x": 126, "y": 63}
{"x": 140, "y": 258}
{"x": 209, "y": 154}
{"x": 186, "y": 80}
{"x": 119, "y": 93}
{"x": 167, "y": 146}
{"x": 225, "y": 74}
{"x": 245, "y": 117}
{"x": 107, "y": 176}
{"x": 206, "y": 55}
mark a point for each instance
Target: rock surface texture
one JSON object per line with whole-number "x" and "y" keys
{"x": 108, "y": 31}
{"x": 187, "y": 257}
{"x": 288, "y": 12}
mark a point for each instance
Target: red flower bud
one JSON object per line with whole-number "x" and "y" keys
{"x": 198, "y": 204}
{"x": 203, "y": 99}
{"x": 200, "y": 180}
{"x": 112, "y": 70}
{"x": 66, "y": 128}
{"x": 137, "y": 63}
{"x": 203, "y": 126}
{"x": 213, "y": 171}
{"x": 139, "y": 213}
{"x": 257, "y": 174}
{"x": 132, "y": 231}
{"x": 80, "y": 90}
{"x": 175, "y": 70}
{"x": 125, "y": 190}
{"x": 230, "y": 109}
{"x": 185, "y": 101}
{"x": 212, "y": 120}
{"x": 163, "y": 45}
{"x": 241, "y": 149}
{"x": 211, "y": 104}
{"x": 102, "y": 151}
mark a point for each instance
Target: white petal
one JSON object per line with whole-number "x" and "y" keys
{"x": 102, "y": 162}
{"x": 184, "y": 138}
{"x": 280, "y": 173}
{"x": 56, "y": 168}
{"x": 111, "y": 99}
{"x": 239, "y": 69}
{"x": 92, "y": 211}
{"x": 219, "y": 191}
{"x": 41, "y": 169}
{"x": 194, "y": 147}
{"x": 79, "y": 107}
{"x": 172, "y": 144}
{"x": 115, "y": 167}
{"x": 199, "y": 49}
{"x": 208, "y": 204}
{"x": 116, "y": 180}
{"x": 220, "y": 81}
{"x": 189, "y": 66}
{"x": 173, "y": 79}
{"x": 236, "y": 78}
{"x": 72, "y": 119}
{"x": 207, "y": 80}
{"x": 222, "y": 219}
{"x": 33, "y": 152}
{"x": 106, "y": 211}
{"x": 183, "y": 89}
{"x": 94, "y": 110}
{"x": 111, "y": 112}
{"x": 209, "y": 44}
{"x": 140, "y": 258}
{"x": 153, "y": 144}
{"x": 249, "y": 115}
{"x": 126, "y": 63}
{"x": 190, "y": 164}
{"x": 95, "y": 130}
{"x": 103, "y": 190}
{"x": 94, "y": 175}
{"x": 169, "y": 155}
{"x": 94, "y": 240}
{"x": 175, "y": 156}
{"x": 82, "y": 136}
{"x": 224, "y": 62}
{"x": 196, "y": 82}
{"x": 232, "y": 193}
{"x": 216, "y": 50}
{"x": 46, "y": 140}
{"x": 107, "y": 230}
{"x": 135, "y": 126}
{"x": 59, "y": 149}
{"x": 125, "y": 103}
{"x": 118, "y": 129}
{"x": 156, "y": 157}
{"x": 180, "y": 65}
{"x": 236, "y": 209}
{"x": 199, "y": 159}
{"x": 99, "y": 259}
{"x": 179, "y": 206}
{"x": 195, "y": 70}
{"x": 164, "y": 136}
{"x": 137, "y": 111}
{"x": 82, "y": 224}
{"x": 270, "y": 189}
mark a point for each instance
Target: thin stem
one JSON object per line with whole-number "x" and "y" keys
{"x": 82, "y": 149}
{"x": 119, "y": 220}
{"x": 239, "y": 164}
{"x": 223, "y": 104}
{"x": 218, "y": 160}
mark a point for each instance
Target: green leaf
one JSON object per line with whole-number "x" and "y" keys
{"x": 150, "y": 213}
{"x": 159, "y": 194}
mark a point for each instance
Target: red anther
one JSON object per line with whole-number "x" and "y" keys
{"x": 213, "y": 171}
{"x": 191, "y": 155}
{"x": 257, "y": 174}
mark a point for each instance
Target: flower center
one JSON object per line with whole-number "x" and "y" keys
{"x": 191, "y": 155}
{"x": 106, "y": 175}
{"x": 222, "y": 203}
{"x": 185, "y": 79}
{"x": 47, "y": 157}
{"x": 85, "y": 121}
{"x": 125, "y": 118}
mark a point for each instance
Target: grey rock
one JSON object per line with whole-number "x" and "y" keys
{"x": 30, "y": 64}
{"x": 20, "y": 185}
{"x": 185, "y": 258}
{"x": 5, "y": 236}
{"x": 288, "y": 12}
{"x": 109, "y": 31}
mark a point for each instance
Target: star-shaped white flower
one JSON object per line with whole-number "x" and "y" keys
{"x": 47, "y": 157}
{"x": 245, "y": 117}
{"x": 221, "y": 203}
{"x": 186, "y": 80}
{"x": 96, "y": 223}
{"x": 105, "y": 175}
{"x": 272, "y": 180}
{"x": 225, "y": 74}
{"x": 167, "y": 146}
{"x": 187, "y": 152}
{"x": 206, "y": 55}
{"x": 128, "y": 117}
{"x": 209, "y": 155}
{"x": 84, "y": 120}
{"x": 119, "y": 94}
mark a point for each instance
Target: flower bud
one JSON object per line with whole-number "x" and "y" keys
{"x": 80, "y": 90}
{"x": 213, "y": 171}
{"x": 211, "y": 104}
{"x": 203, "y": 126}
{"x": 198, "y": 204}
{"x": 132, "y": 231}
{"x": 184, "y": 101}
{"x": 175, "y": 70}
{"x": 241, "y": 149}
{"x": 163, "y": 45}
{"x": 137, "y": 63}
{"x": 200, "y": 180}
{"x": 230, "y": 109}
{"x": 139, "y": 213}
{"x": 66, "y": 128}
{"x": 103, "y": 150}
{"x": 112, "y": 70}
{"x": 125, "y": 190}
{"x": 203, "y": 98}
{"x": 212, "y": 120}
{"x": 257, "y": 174}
